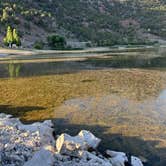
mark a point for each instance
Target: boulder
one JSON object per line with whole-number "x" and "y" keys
{"x": 89, "y": 138}
{"x": 19, "y": 142}
{"x": 69, "y": 145}
{"x": 117, "y": 158}
{"x": 44, "y": 157}
{"x": 34, "y": 145}
{"x": 45, "y": 131}
{"x": 85, "y": 159}
{"x": 93, "y": 160}
{"x": 120, "y": 158}
{"x": 136, "y": 161}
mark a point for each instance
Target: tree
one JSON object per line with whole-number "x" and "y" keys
{"x": 8, "y": 40}
{"x": 56, "y": 42}
{"x": 16, "y": 38}
{"x": 11, "y": 37}
{"x": 4, "y": 15}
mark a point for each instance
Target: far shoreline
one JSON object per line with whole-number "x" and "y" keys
{"x": 38, "y": 56}
{"x": 27, "y": 51}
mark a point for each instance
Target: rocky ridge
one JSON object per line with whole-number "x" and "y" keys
{"x": 34, "y": 145}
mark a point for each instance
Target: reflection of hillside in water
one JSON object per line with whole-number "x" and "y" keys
{"x": 161, "y": 104}
{"x": 113, "y": 104}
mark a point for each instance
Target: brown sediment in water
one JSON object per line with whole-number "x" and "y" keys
{"x": 51, "y": 91}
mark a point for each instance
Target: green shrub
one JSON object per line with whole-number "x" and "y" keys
{"x": 56, "y": 42}
{"x": 38, "y": 45}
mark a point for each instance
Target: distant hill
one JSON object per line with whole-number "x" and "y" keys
{"x": 103, "y": 22}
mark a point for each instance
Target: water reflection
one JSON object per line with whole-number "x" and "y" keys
{"x": 129, "y": 62}
{"x": 161, "y": 104}
{"x": 162, "y": 97}
{"x": 14, "y": 69}
{"x": 48, "y": 68}
{"x": 113, "y": 105}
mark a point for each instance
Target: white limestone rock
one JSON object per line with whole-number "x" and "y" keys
{"x": 45, "y": 131}
{"x": 69, "y": 145}
{"x": 33, "y": 145}
{"x": 92, "y": 159}
{"x": 89, "y": 138}
{"x": 19, "y": 142}
{"x": 86, "y": 159}
{"x": 136, "y": 161}
{"x": 44, "y": 157}
{"x": 119, "y": 159}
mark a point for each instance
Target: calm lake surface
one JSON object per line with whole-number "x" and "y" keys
{"x": 120, "y": 96}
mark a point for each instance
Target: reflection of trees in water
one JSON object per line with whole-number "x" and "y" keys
{"x": 14, "y": 69}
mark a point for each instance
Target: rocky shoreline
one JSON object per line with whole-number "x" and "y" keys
{"x": 34, "y": 145}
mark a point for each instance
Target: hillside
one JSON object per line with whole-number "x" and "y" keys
{"x": 103, "y": 22}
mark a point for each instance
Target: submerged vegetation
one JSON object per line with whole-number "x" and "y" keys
{"x": 51, "y": 91}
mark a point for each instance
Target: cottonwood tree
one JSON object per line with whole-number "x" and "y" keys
{"x": 16, "y": 38}
{"x": 8, "y": 40}
{"x": 11, "y": 37}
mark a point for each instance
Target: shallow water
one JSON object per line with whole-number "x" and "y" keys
{"x": 155, "y": 59}
{"x": 120, "y": 97}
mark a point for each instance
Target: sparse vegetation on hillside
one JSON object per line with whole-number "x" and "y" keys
{"x": 103, "y": 22}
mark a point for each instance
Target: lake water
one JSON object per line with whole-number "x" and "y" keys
{"x": 120, "y": 96}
